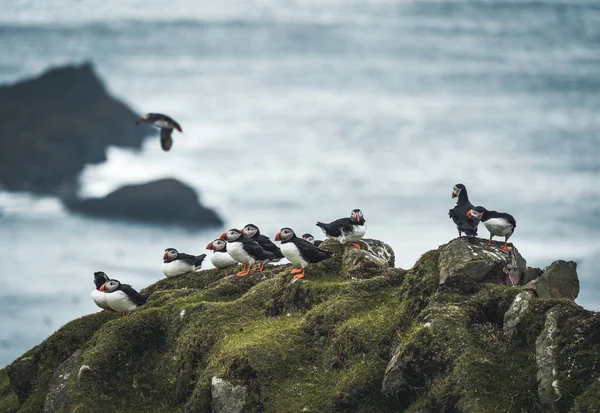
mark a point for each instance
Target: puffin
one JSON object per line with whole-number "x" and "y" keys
{"x": 220, "y": 257}
{"x": 122, "y": 297}
{"x": 497, "y": 223}
{"x": 177, "y": 263}
{"x": 245, "y": 250}
{"x": 252, "y": 231}
{"x": 99, "y": 297}
{"x": 458, "y": 213}
{"x": 311, "y": 239}
{"x": 300, "y": 251}
{"x": 346, "y": 230}
{"x": 166, "y": 125}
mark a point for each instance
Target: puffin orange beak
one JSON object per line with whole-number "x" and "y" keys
{"x": 453, "y": 194}
{"x": 469, "y": 215}
{"x": 278, "y": 236}
{"x": 357, "y": 216}
{"x": 165, "y": 256}
{"x": 223, "y": 236}
{"x": 210, "y": 246}
{"x": 102, "y": 287}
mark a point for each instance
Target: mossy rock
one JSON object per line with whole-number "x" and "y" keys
{"x": 330, "y": 342}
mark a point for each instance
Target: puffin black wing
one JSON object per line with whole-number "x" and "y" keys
{"x": 335, "y": 228}
{"x": 199, "y": 258}
{"x": 311, "y": 253}
{"x": 134, "y": 296}
{"x": 165, "y": 139}
{"x": 255, "y": 250}
{"x": 268, "y": 245}
{"x": 189, "y": 259}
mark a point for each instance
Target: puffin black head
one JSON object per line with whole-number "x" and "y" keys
{"x": 110, "y": 286}
{"x": 458, "y": 188}
{"x": 309, "y": 238}
{"x": 357, "y": 216}
{"x": 251, "y": 231}
{"x": 231, "y": 235}
{"x": 286, "y": 234}
{"x": 170, "y": 255}
{"x": 100, "y": 278}
{"x": 476, "y": 213}
{"x": 217, "y": 245}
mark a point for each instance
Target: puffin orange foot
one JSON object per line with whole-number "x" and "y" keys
{"x": 261, "y": 266}
{"x": 298, "y": 275}
{"x": 505, "y": 248}
{"x": 489, "y": 243}
{"x": 244, "y": 271}
{"x": 297, "y": 270}
{"x": 354, "y": 244}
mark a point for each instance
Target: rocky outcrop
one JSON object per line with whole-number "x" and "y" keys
{"x": 226, "y": 397}
{"x": 165, "y": 202}
{"x": 557, "y": 281}
{"x": 470, "y": 259}
{"x": 56, "y": 399}
{"x": 59, "y": 122}
{"x": 352, "y": 335}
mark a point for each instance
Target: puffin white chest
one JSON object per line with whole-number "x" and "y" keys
{"x": 99, "y": 298}
{"x": 237, "y": 252}
{"x": 292, "y": 253}
{"x": 358, "y": 231}
{"x": 163, "y": 124}
{"x": 176, "y": 268}
{"x": 222, "y": 260}
{"x": 498, "y": 226}
{"x": 119, "y": 301}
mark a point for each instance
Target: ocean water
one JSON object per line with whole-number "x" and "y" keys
{"x": 298, "y": 111}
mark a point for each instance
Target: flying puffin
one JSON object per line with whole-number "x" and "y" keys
{"x": 346, "y": 230}
{"x": 98, "y": 296}
{"x": 458, "y": 213}
{"x": 122, "y": 297}
{"x": 299, "y": 251}
{"x": 311, "y": 239}
{"x": 220, "y": 257}
{"x": 177, "y": 263}
{"x": 166, "y": 125}
{"x": 252, "y": 231}
{"x": 245, "y": 250}
{"x": 497, "y": 223}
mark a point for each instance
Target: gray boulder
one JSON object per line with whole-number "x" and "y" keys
{"x": 56, "y": 398}
{"x": 370, "y": 260}
{"x": 226, "y": 397}
{"x": 559, "y": 280}
{"x": 470, "y": 258}
{"x": 165, "y": 202}
{"x": 531, "y": 274}
{"x": 516, "y": 312}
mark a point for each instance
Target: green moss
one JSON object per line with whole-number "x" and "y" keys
{"x": 9, "y": 402}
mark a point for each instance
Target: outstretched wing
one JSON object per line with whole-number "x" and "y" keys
{"x": 165, "y": 139}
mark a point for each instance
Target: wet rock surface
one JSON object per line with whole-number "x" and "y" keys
{"x": 559, "y": 280}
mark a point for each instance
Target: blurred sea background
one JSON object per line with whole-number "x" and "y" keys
{"x": 298, "y": 111}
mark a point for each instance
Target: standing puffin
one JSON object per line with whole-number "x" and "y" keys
{"x": 220, "y": 257}
{"x": 458, "y": 213}
{"x": 252, "y": 231}
{"x": 245, "y": 250}
{"x": 346, "y": 230}
{"x": 299, "y": 251}
{"x": 99, "y": 297}
{"x": 498, "y": 223}
{"x": 177, "y": 263}
{"x": 122, "y": 297}
{"x": 311, "y": 239}
{"x": 166, "y": 125}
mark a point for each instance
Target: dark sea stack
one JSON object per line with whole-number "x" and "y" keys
{"x": 53, "y": 125}
{"x": 165, "y": 202}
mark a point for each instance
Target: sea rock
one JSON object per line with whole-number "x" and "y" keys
{"x": 56, "y": 399}
{"x": 166, "y": 202}
{"x": 516, "y": 312}
{"x": 226, "y": 397}
{"x": 469, "y": 258}
{"x": 59, "y": 122}
{"x": 559, "y": 280}
{"x": 531, "y": 274}
{"x": 22, "y": 374}
{"x": 545, "y": 356}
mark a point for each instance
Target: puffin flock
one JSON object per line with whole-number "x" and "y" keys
{"x": 247, "y": 246}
